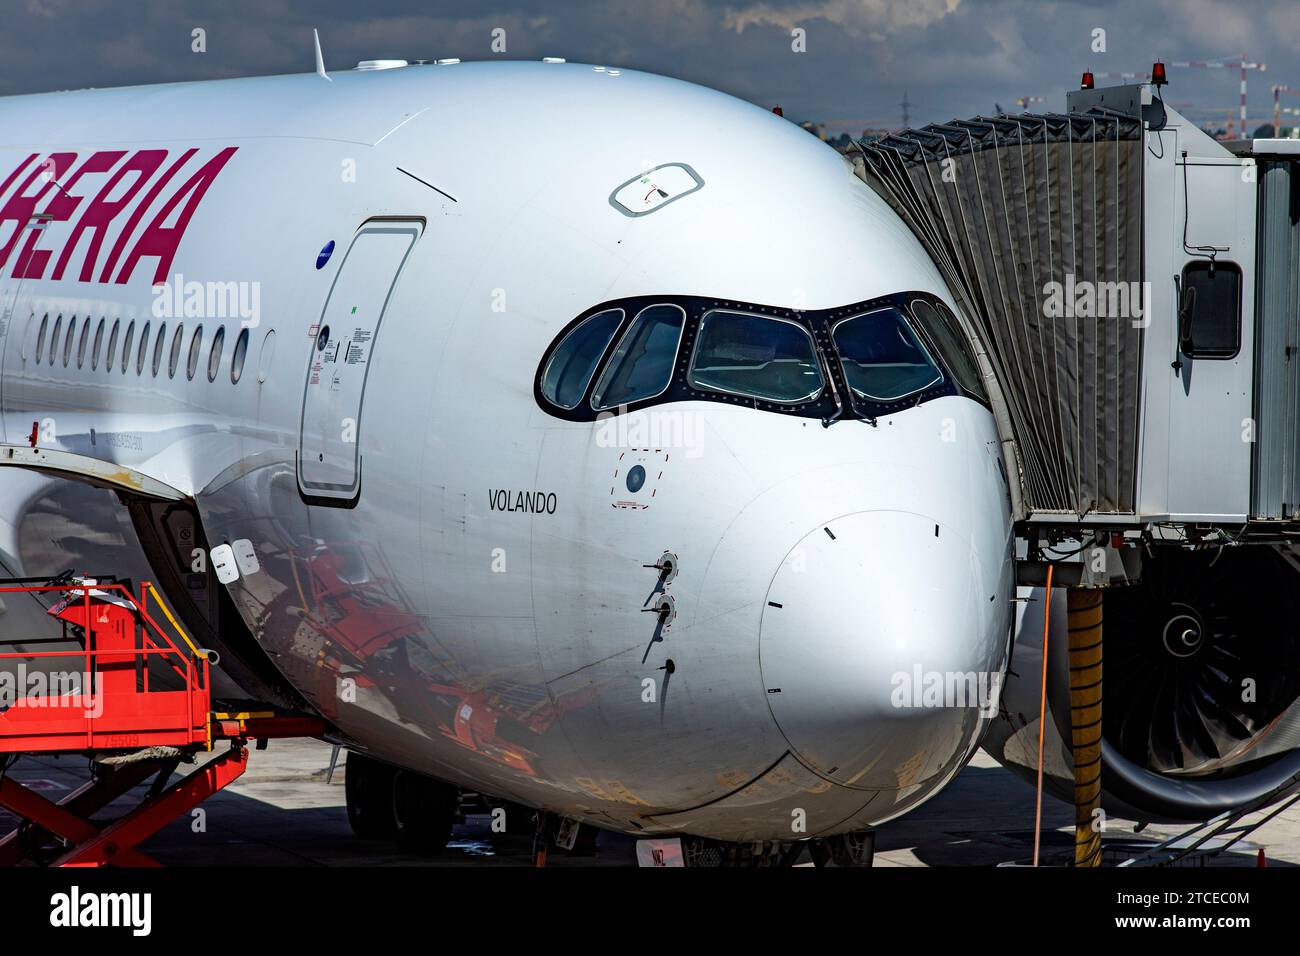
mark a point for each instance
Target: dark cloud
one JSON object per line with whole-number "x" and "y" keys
{"x": 950, "y": 57}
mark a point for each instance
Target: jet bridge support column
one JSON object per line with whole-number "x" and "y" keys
{"x": 1085, "y": 622}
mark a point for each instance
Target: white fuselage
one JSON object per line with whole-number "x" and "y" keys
{"x": 441, "y": 617}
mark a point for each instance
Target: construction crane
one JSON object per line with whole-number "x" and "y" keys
{"x": 1243, "y": 65}
{"x": 1289, "y": 111}
{"x": 1277, "y": 106}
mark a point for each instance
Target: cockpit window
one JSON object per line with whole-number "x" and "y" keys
{"x": 948, "y": 337}
{"x": 574, "y": 362}
{"x": 882, "y": 358}
{"x": 642, "y": 366}
{"x": 858, "y": 361}
{"x": 769, "y": 359}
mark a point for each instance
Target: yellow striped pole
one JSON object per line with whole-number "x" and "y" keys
{"x": 1085, "y": 616}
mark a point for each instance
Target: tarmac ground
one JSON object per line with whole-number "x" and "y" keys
{"x": 287, "y": 810}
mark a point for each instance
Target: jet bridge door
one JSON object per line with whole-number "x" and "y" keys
{"x": 1210, "y": 371}
{"x": 329, "y": 458}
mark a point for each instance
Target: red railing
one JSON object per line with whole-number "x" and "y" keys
{"x": 114, "y": 706}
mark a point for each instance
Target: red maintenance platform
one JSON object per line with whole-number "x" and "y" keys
{"x": 132, "y": 697}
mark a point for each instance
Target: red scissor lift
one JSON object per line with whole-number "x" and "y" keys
{"x": 105, "y": 698}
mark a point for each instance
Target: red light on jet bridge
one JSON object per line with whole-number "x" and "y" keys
{"x": 1087, "y": 81}
{"x": 1158, "y": 77}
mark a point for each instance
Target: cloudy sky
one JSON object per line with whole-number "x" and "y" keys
{"x": 950, "y": 57}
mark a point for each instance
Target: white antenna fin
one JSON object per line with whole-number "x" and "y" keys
{"x": 320, "y": 57}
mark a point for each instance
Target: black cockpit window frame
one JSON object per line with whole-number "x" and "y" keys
{"x": 833, "y": 402}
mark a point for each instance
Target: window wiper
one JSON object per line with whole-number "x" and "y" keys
{"x": 869, "y": 419}
{"x": 839, "y": 403}
{"x": 827, "y": 422}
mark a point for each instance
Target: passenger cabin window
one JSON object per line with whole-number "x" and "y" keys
{"x": 883, "y": 360}
{"x": 40, "y": 338}
{"x": 237, "y": 357}
{"x": 755, "y": 356}
{"x": 126, "y": 346}
{"x": 642, "y": 365}
{"x": 99, "y": 343}
{"x": 214, "y": 357}
{"x": 144, "y": 350}
{"x": 1209, "y": 323}
{"x": 954, "y": 348}
{"x": 69, "y": 341}
{"x": 159, "y": 344}
{"x": 196, "y": 347}
{"x": 81, "y": 346}
{"x": 174, "y": 359}
{"x": 569, "y": 371}
{"x": 54, "y": 339}
{"x": 112, "y": 346}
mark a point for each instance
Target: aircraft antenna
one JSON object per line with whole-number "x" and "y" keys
{"x": 320, "y": 57}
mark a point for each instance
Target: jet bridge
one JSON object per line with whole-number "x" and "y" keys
{"x": 1105, "y": 260}
{"x": 1132, "y": 288}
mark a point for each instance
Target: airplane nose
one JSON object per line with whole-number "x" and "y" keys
{"x": 877, "y": 649}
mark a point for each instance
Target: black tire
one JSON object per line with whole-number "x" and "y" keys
{"x": 423, "y": 811}
{"x": 368, "y": 786}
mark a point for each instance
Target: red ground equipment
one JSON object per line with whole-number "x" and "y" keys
{"x": 131, "y": 693}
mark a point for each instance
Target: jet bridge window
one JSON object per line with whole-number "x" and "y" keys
{"x": 574, "y": 361}
{"x": 1210, "y": 316}
{"x": 882, "y": 357}
{"x": 642, "y": 365}
{"x": 769, "y": 359}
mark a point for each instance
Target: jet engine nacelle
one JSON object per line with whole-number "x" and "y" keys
{"x": 1201, "y": 694}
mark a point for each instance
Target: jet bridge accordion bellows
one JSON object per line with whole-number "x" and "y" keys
{"x": 1007, "y": 206}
